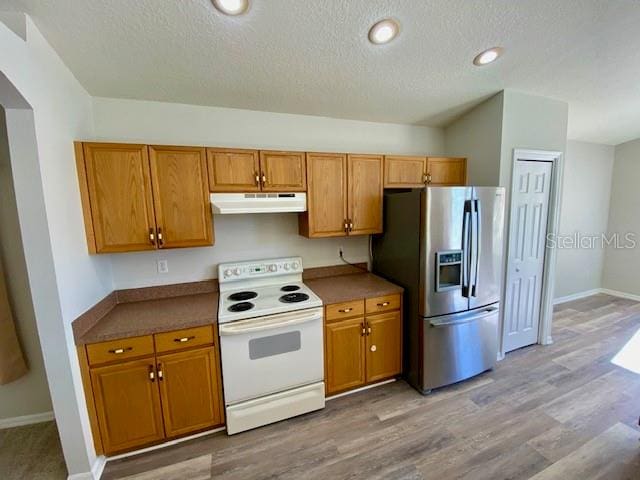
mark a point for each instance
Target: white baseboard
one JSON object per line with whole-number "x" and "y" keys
{"x": 94, "y": 474}
{"x": 25, "y": 420}
{"x": 576, "y": 296}
{"x": 616, "y": 293}
{"x": 588, "y": 293}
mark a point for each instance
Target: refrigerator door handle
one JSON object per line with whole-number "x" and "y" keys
{"x": 476, "y": 249}
{"x": 465, "y": 318}
{"x": 466, "y": 245}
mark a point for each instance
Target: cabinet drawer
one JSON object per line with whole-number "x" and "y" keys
{"x": 338, "y": 311}
{"x": 383, "y": 304}
{"x": 117, "y": 350}
{"x": 186, "y": 338}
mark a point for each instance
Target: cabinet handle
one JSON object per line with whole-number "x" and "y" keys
{"x": 346, "y": 226}
{"x": 364, "y": 331}
{"x": 350, "y": 226}
{"x": 373, "y": 348}
{"x": 428, "y": 181}
{"x": 152, "y": 237}
{"x": 184, "y": 339}
{"x": 118, "y": 351}
{"x": 345, "y": 310}
{"x": 257, "y": 178}
{"x": 160, "y": 239}
{"x": 383, "y": 304}
{"x": 160, "y": 374}
{"x": 264, "y": 179}
{"x": 152, "y": 374}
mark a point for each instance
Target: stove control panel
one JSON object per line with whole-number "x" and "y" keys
{"x": 228, "y": 272}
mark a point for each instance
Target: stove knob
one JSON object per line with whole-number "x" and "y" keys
{"x": 286, "y": 266}
{"x": 273, "y": 267}
{"x": 236, "y": 271}
{"x": 295, "y": 265}
{"x": 227, "y": 272}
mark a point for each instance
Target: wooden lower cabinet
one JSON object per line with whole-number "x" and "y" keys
{"x": 362, "y": 349}
{"x": 140, "y": 402}
{"x": 127, "y": 404}
{"x": 384, "y": 346}
{"x": 189, "y": 390}
{"x": 344, "y": 355}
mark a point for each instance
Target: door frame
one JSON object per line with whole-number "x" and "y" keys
{"x": 553, "y": 225}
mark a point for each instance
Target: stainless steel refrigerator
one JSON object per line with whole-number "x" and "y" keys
{"x": 444, "y": 246}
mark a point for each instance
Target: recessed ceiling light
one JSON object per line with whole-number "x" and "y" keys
{"x": 488, "y": 56}
{"x": 231, "y": 7}
{"x": 384, "y": 31}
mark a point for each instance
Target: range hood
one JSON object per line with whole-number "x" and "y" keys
{"x": 230, "y": 203}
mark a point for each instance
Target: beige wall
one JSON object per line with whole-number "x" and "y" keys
{"x": 28, "y": 395}
{"x": 478, "y": 137}
{"x": 623, "y": 265}
{"x": 585, "y": 210}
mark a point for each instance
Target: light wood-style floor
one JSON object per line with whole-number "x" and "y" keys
{"x": 557, "y": 412}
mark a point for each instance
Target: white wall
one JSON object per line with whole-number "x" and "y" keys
{"x": 64, "y": 280}
{"x": 622, "y": 265}
{"x": 477, "y": 135}
{"x": 586, "y": 193}
{"x": 28, "y": 395}
{"x": 246, "y": 237}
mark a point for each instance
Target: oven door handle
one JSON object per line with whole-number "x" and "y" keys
{"x": 258, "y": 325}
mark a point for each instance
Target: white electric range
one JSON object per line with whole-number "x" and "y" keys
{"x": 271, "y": 342}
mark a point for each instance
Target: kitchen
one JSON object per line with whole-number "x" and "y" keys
{"x": 233, "y": 279}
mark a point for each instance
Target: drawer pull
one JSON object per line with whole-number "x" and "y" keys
{"x": 383, "y": 304}
{"x": 345, "y": 310}
{"x": 160, "y": 374}
{"x": 184, "y": 339}
{"x": 373, "y": 348}
{"x": 118, "y": 351}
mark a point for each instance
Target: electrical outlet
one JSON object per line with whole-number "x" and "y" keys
{"x": 163, "y": 266}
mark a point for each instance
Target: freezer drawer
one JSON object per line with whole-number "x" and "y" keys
{"x": 459, "y": 346}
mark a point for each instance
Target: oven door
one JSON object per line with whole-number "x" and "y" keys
{"x": 270, "y": 354}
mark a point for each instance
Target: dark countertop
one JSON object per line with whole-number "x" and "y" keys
{"x": 149, "y": 310}
{"x": 355, "y": 286}
{"x": 154, "y": 316}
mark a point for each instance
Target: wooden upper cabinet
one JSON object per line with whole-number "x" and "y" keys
{"x": 181, "y": 196}
{"x": 326, "y": 213}
{"x": 384, "y": 346}
{"x": 365, "y": 194}
{"x": 404, "y": 172}
{"x": 283, "y": 171}
{"x": 233, "y": 170}
{"x": 127, "y": 403}
{"x": 446, "y": 171}
{"x": 344, "y": 355}
{"x": 116, "y": 191}
{"x": 190, "y": 391}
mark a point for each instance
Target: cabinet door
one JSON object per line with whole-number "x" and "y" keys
{"x": 384, "y": 346}
{"x": 344, "y": 355}
{"x": 128, "y": 405}
{"x": 283, "y": 171}
{"x": 181, "y": 196}
{"x": 365, "y": 194}
{"x": 233, "y": 170}
{"x": 446, "y": 171}
{"x": 119, "y": 186}
{"x": 190, "y": 389}
{"x": 327, "y": 196}
{"x": 404, "y": 172}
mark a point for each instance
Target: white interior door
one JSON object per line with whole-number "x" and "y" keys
{"x": 527, "y": 236}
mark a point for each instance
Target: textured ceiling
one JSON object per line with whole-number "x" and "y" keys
{"x": 313, "y": 57}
